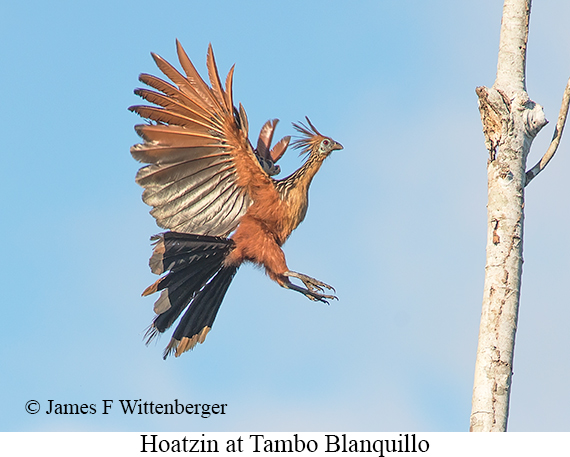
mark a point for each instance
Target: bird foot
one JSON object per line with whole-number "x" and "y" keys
{"x": 314, "y": 288}
{"x": 310, "y": 283}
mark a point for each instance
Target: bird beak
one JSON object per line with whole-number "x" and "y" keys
{"x": 337, "y": 146}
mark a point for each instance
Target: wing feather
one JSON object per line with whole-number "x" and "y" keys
{"x": 215, "y": 215}
{"x": 215, "y": 79}
{"x": 166, "y": 116}
{"x": 164, "y": 175}
{"x": 229, "y": 90}
{"x": 192, "y": 91}
{"x": 188, "y": 108}
{"x": 169, "y": 155}
{"x": 175, "y": 136}
{"x": 203, "y": 210}
{"x": 279, "y": 148}
{"x": 226, "y": 202}
{"x": 243, "y": 119}
{"x": 185, "y": 197}
{"x": 193, "y": 76}
{"x": 174, "y": 93}
{"x": 174, "y": 75}
{"x": 202, "y": 173}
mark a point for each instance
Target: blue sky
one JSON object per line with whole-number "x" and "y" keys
{"x": 396, "y": 220}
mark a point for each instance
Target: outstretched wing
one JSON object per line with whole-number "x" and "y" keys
{"x": 202, "y": 173}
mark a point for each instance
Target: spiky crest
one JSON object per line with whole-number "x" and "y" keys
{"x": 310, "y": 137}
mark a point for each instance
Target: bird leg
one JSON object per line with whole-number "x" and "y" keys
{"x": 314, "y": 287}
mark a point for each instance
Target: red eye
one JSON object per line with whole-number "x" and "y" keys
{"x": 326, "y": 142}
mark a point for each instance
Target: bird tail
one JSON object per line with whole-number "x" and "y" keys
{"x": 197, "y": 281}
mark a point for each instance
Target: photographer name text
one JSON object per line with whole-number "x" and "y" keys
{"x": 129, "y": 407}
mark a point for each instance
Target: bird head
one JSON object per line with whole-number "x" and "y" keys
{"x": 312, "y": 142}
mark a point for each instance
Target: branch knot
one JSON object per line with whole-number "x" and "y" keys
{"x": 495, "y": 108}
{"x": 534, "y": 118}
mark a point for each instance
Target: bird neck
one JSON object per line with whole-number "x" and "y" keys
{"x": 301, "y": 179}
{"x": 294, "y": 192}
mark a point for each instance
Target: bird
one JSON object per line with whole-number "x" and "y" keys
{"x": 214, "y": 194}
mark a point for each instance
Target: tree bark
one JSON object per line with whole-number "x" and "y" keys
{"x": 510, "y": 122}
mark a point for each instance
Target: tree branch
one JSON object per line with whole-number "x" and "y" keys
{"x": 534, "y": 171}
{"x": 512, "y": 47}
{"x": 510, "y": 122}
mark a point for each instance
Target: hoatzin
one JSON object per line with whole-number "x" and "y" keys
{"x": 205, "y": 181}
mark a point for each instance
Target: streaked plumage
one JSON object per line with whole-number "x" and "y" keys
{"x": 204, "y": 182}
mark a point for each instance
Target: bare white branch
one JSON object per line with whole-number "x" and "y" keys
{"x": 512, "y": 46}
{"x": 510, "y": 123}
{"x": 534, "y": 171}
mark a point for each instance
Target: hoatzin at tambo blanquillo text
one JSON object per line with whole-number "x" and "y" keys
{"x": 205, "y": 182}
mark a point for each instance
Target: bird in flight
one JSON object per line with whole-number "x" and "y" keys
{"x": 215, "y": 194}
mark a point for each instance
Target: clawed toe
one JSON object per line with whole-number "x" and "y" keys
{"x": 321, "y": 297}
{"x": 310, "y": 283}
{"x": 314, "y": 288}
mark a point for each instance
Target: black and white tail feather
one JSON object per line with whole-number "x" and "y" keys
{"x": 196, "y": 281}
